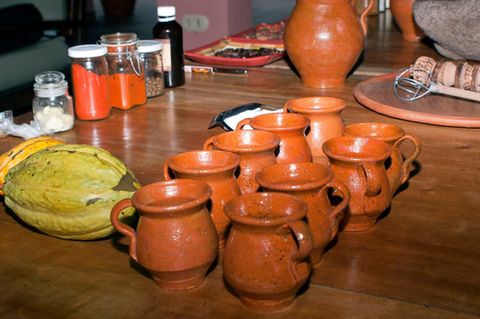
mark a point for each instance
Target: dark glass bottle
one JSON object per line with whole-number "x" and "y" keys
{"x": 170, "y": 33}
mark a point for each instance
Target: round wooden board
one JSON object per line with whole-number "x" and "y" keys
{"x": 377, "y": 94}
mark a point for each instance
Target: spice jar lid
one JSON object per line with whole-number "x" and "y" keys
{"x": 146, "y": 46}
{"x": 87, "y": 51}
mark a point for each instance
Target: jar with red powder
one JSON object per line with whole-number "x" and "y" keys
{"x": 126, "y": 71}
{"x": 90, "y": 81}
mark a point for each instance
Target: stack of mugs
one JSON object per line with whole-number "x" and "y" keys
{"x": 277, "y": 197}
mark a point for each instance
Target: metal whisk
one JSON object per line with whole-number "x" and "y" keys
{"x": 412, "y": 84}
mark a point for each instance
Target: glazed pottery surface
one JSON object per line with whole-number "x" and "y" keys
{"x": 266, "y": 255}
{"x": 175, "y": 239}
{"x": 311, "y": 183}
{"x": 255, "y": 148}
{"x": 402, "y": 10}
{"x": 217, "y": 169}
{"x": 290, "y": 128}
{"x": 359, "y": 162}
{"x": 399, "y": 170}
{"x": 323, "y": 39}
{"x": 325, "y": 121}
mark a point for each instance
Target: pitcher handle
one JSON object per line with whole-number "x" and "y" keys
{"x": 208, "y": 145}
{"x": 304, "y": 239}
{"x": 285, "y": 107}
{"x": 166, "y": 173}
{"x": 408, "y": 161}
{"x": 124, "y": 228}
{"x": 363, "y": 15}
{"x": 242, "y": 123}
{"x": 341, "y": 188}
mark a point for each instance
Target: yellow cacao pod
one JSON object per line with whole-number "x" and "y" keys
{"x": 22, "y": 151}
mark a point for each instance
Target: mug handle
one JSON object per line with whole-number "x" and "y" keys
{"x": 166, "y": 173}
{"x": 124, "y": 228}
{"x": 242, "y": 123}
{"x": 304, "y": 239}
{"x": 408, "y": 161}
{"x": 341, "y": 188}
{"x": 208, "y": 145}
{"x": 373, "y": 184}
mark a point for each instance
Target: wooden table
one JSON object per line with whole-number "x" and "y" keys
{"x": 421, "y": 260}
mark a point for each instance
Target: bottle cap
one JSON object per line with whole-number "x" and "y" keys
{"x": 146, "y": 46}
{"x": 166, "y": 13}
{"x": 87, "y": 51}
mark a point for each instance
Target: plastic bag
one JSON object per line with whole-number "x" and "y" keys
{"x": 25, "y": 131}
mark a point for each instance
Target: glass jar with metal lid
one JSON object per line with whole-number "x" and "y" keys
{"x": 150, "y": 53}
{"x": 52, "y": 106}
{"x": 90, "y": 81}
{"x": 126, "y": 72}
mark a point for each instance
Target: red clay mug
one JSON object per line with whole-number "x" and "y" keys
{"x": 311, "y": 183}
{"x": 399, "y": 170}
{"x": 256, "y": 150}
{"x": 217, "y": 169}
{"x": 359, "y": 162}
{"x": 175, "y": 239}
{"x": 266, "y": 255}
{"x": 325, "y": 121}
{"x": 290, "y": 128}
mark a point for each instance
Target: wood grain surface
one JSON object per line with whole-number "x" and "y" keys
{"x": 421, "y": 260}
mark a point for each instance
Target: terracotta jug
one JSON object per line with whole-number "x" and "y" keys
{"x": 290, "y": 128}
{"x": 359, "y": 162}
{"x": 325, "y": 121}
{"x": 217, "y": 169}
{"x": 310, "y": 182}
{"x": 324, "y": 39}
{"x": 399, "y": 170}
{"x": 402, "y": 10}
{"x": 175, "y": 239}
{"x": 266, "y": 254}
{"x": 255, "y": 148}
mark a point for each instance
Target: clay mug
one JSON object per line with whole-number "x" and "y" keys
{"x": 402, "y": 11}
{"x": 217, "y": 169}
{"x": 255, "y": 149}
{"x": 175, "y": 239}
{"x": 290, "y": 128}
{"x": 311, "y": 183}
{"x": 324, "y": 38}
{"x": 359, "y": 162}
{"x": 266, "y": 255}
{"x": 325, "y": 121}
{"x": 399, "y": 170}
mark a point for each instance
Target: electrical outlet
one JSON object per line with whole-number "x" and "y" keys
{"x": 194, "y": 23}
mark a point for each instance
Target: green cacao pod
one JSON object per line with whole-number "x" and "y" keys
{"x": 68, "y": 191}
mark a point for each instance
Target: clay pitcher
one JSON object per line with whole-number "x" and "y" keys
{"x": 325, "y": 121}
{"x": 217, "y": 169}
{"x": 399, "y": 170}
{"x": 402, "y": 10}
{"x": 323, "y": 39}
{"x": 359, "y": 162}
{"x": 175, "y": 239}
{"x": 311, "y": 183}
{"x": 255, "y": 148}
{"x": 290, "y": 128}
{"x": 266, "y": 255}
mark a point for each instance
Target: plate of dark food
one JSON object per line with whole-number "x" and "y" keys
{"x": 237, "y": 53}
{"x": 263, "y": 32}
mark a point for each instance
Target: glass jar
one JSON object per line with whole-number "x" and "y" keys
{"x": 52, "y": 105}
{"x": 150, "y": 53}
{"x": 90, "y": 81}
{"x": 126, "y": 72}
